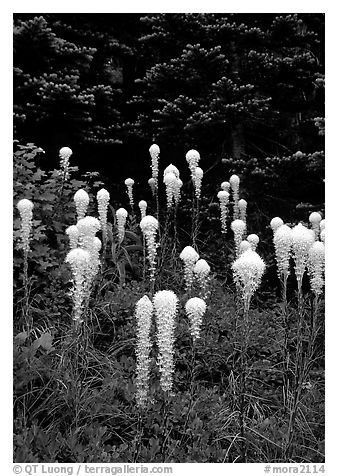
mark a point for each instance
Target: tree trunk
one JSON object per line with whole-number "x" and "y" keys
{"x": 238, "y": 142}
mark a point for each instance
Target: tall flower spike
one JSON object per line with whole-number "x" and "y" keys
{"x": 73, "y": 234}
{"x": 238, "y": 227}
{"x": 170, "y": 183}
{"x": 193, "y": 158}
{"x": 144, "y": 311}
{"x": 316, "y": 266}
{"x": 64, "y": 154}
{"x": 225, "y": 186}
{"x": 243, "y": 246}
{"x": 242, "y": 205}
{"x": 223, "y": 197}
{"x": 79, "y": 259}
{"x": 165, "y": 304}
{"x": 302, "y": 239}
{"x": 234, "y": 183}
{"x": 195, "y": 308}
{"x": 152, "y": 185}
{"x": 25, "y": 208}
{"x": 198, "y": 181}
{"x": 143, "y": 208}
{"x": 121, "y": 218}
{"x": 248, "y": 270}
{"x": 173, "y": 169}
{"x": 315, "y": 218}
{"x": 154, "y": 151}
{"x": 149, "y": 227}
{"x": 103, "y": 198}
{"x": 129, "y": 182}
{"x": 253, "y": 239}
{"x": 322, "y": 224}
{"x": 189, "y": 257}
{"x": 202, "y": 272}
{"x": 282, "y": 241}
{"x": 81, "y": 199}
{"x": 177, "y": 190}
{"x": 275, "y": 223}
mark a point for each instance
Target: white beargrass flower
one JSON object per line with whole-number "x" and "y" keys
{"x": 193, "y": 158}
{"x": 81, "y": 199}
{"x": 144, "y": 311}
{"x": 282, "y": 241}
{"x": 234, "y": 183}
{"x": 195, "y": 308}
{"x": 201, "y": 273}
{"x": 315, "y": 218}
{"x": 173, "y": 169}
{"x": 316, "y": 266}
{"x": 225, "y": 186}
{"x": 25, "y": 208}
{"x": 165, "y": 304}
{"x": 322, "y": 224}
{"x": 79, "y": 260}
{"x": 170, "y": 183}
{"x": 103, "y": 198}
{"x": 88, "y": 227}
{"x": 198, "y": 181}
{"x": 121, "y": 218}
{"x": 177, "y": 190}
{"x": 238, "y": 227}
{"x": 223, "y": 197}
{"x": 129, "y": 182}
{"x": 154, "y": 151}
{"x": 149, "y": 226}
{"x": 242, "y": 206}
{"x": 322, "y": 235}
{"x": 253, "y": 239}
{"x": 244, "y": 245}
{"x": 143, "y": 208}
{"x": 73, "y": 234}
{"x": 302, "y": 239}
{"x": 64, "y": 154}
{"x": 152, "y": 185}
{"x": 248, "y": 270}
{"x": 275, "y": 223}
{"x": 189, "y": 257}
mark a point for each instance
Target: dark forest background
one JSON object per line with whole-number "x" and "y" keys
{"x": 245, "y": 90}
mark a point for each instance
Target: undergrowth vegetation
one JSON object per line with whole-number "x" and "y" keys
{"x": 166, "y": 330}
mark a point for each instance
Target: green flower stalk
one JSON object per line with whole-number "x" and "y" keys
{"x": 165, "y": 305}
{"x": 195, "y": 308}
{"x": 103, "y": 198}
{"x": 234, "y": 183}
{"x": 144, "y": 311}
{"x": 189, "y": 257}
{"x": 223, "y": 197}
{"x": 129, "y": 182}
{"x": 121, "y": 218}
{"x": 81, "y": 199}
